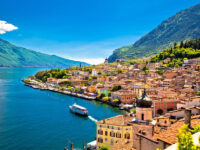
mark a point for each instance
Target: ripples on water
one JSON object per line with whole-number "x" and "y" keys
{"x": 34, "y": 119}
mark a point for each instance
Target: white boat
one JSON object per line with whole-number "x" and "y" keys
{"x": 79, "y": 110}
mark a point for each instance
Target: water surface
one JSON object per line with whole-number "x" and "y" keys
{"x": 32, "y": 119}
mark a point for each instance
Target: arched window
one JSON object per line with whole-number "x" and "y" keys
{"x": 112, "y": 134}
{"x": 127, "y": 136}
{"x": 100, "y": 132}
{"x": 106, "y": 133}
{"x": 100, "y": 140}
{"x": 118, "y": 135}
{"x": 142, "y": 117}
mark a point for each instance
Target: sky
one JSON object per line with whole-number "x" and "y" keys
{"x": 86, "y": 30}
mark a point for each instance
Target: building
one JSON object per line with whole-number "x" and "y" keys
{"x": 111, "y": 130}
{"x": 106, "y": 65}
{"x": 94, "y": 73}
{"x": 125, "y": 96}
{"x": 164, "y": 105}
{"x": 194, "y": 101}
{"x": 167, "y": 137}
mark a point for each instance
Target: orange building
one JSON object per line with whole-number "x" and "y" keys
{"x": 164, "y": 105}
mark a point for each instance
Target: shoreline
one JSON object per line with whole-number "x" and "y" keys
{"x": 43, "y": 86}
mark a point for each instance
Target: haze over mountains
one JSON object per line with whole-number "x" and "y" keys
{"x": 14, "y": 56}
{"x": 184, "y": 25}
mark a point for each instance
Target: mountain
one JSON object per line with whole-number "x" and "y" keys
{"x": 184, "y": 25}
{"x": 14, "y": 56}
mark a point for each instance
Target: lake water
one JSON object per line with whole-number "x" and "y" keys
{"x": 32, "y": 119}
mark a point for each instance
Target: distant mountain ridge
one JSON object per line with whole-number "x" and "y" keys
{"x": 184, "y": 25}
{"x": 14, "y": 56}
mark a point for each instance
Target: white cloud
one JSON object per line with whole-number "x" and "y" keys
{"x": 6, "y": 27}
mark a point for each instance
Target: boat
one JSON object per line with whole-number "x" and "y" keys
{"x": 79, "y": 110}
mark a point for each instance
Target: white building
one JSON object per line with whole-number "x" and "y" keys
{"x": 94, "y": 73}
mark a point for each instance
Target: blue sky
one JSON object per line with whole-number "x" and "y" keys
{"x": 87, "y": 30}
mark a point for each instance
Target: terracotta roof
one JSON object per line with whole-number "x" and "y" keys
{"x": 123, "y": 144}
{"x": 117, "y": 120}
{"x": 170, "y": 135}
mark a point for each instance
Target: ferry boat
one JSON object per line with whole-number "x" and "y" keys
{"x": 79, "y": 110}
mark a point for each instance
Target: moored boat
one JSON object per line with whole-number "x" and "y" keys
{"x": 79, "y": 110}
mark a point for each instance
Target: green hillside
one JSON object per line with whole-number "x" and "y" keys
{"x": 184, "y": 25}
{"x": 177, "y": 54}
{"x": 13, "y": 56}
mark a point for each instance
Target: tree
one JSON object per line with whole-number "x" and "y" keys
{"x": 44, "y": 79}
{"x": 160, "y": 111}
{"x": 109, "y": 94}
{"x": 76, "y": 90}
{"x": 102, "y": 95}
{"x": 103, "y": 147}
{"x": 181, "y": 44}
{"x": 185, "y": 139}
{"x": 198, "y": 92}
{"x": 175, "y": 45}
{"x": 145, "y": 69}
{"x": 116, "y": 88}
{"x": 94, "y": 77}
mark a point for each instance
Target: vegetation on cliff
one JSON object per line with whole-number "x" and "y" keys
{"x": 180, "y": 27}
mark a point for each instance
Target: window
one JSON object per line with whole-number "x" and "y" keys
{"x": 111, "y": 141}
{"x": 100, "y": 140}
{"x": 118, "y": 135}
{"x": 142, "y": 117}
{"x": 127, "y": 136}
{"x": 112, "y": 134}
{"x": 100, "y": 132}
{"x": 106, "y": 133}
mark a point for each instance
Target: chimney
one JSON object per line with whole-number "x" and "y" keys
{"x": 188, "y": 117}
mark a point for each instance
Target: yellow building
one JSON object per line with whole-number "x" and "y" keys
{"x": 111, "y": 130}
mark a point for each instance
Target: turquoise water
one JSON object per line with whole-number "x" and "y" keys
{"x": 32, "y": 119}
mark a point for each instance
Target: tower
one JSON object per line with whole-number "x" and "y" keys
{"x": 143, "y": 108}
{"x": 106, "y": 64}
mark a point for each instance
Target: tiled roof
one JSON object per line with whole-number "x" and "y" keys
{"x": 170, "y": 135}
{"x": 117, "y": 120}
{"x": 123, "y": 144}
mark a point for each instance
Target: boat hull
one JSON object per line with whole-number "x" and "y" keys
{"x": 77, "y": 112}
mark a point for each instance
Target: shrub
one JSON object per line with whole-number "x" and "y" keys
{"x": 133, "y": 110}
{"x": 105, "y": 98}
{"x": 102, "y": 95}
{"x": 116, "y": 100}
{"x": 103, "y": 147}
{"x": 198, "y": 93}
